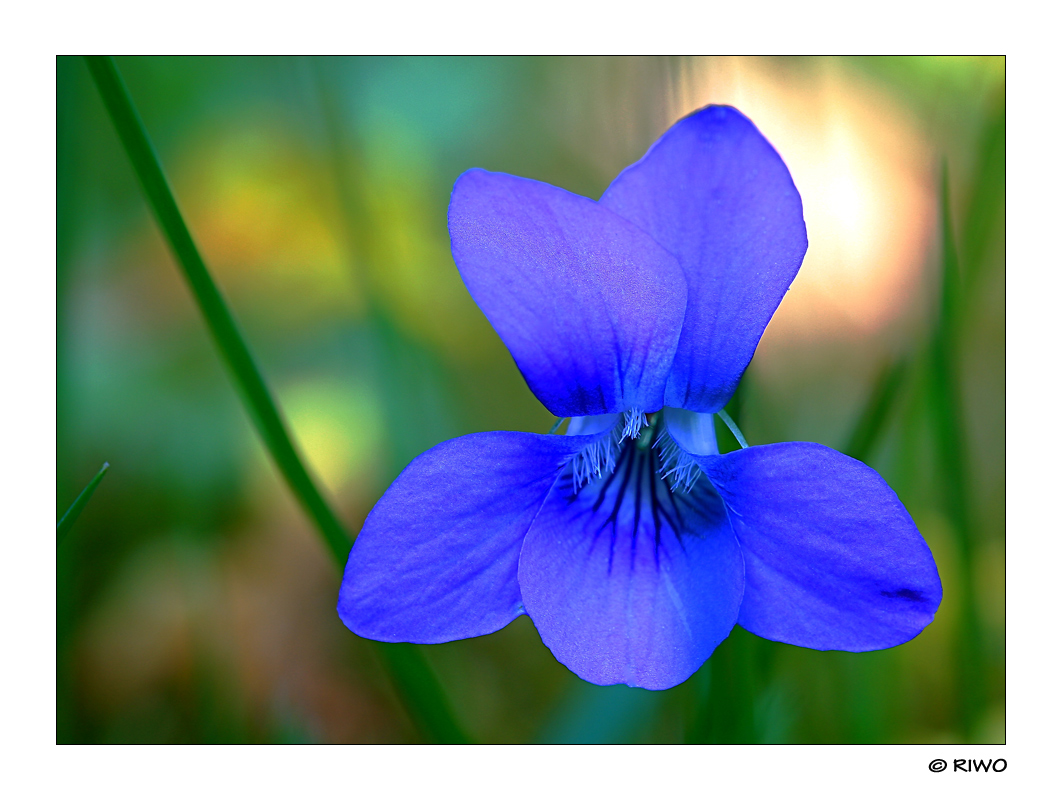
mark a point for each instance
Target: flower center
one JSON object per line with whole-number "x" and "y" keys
{"x": 640, "y": 492}
{"x": 636, "y": 441}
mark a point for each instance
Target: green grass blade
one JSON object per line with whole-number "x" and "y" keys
{"x": 727, "y": 714}
{"x": 862, "y": 679}
{"x": 944, "y": 382}
{"x": 420, "y": 691}
{"x": 67, "y": 521}
{"x": 409, "y": 670}
{"x": 556, "y": 425}
{"x": 987, "y": 197}
{"x": 872, "y": 421}
{"x": 947, "y": 414}
{"x": 234, "y": 351}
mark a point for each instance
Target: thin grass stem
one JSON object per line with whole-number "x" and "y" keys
{"x": 871, "y": 423}
{"x": 985, "y": 207}
{"x": 417, "y": 686}
{"x": 947, "y": 414}
{"x": 734, "y": 428}
{"x": 252, "y": 387}
{"x": 66, "y": 522}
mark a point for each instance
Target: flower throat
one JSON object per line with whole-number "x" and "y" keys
{"x": 638, "y": 445}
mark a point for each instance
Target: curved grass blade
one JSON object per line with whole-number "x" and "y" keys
{"x": 947, "y": 414}
{"x": 420, "y": 691}
{"x": 726, "y": 716}
{"x": 872, "y": 421}
{"x": 249, "y": 381}
{"x": 407, "y": 666}
{"x": 863, "y": 678}
{"x": 987, "y": 197}
{"x": 67, "y": 521}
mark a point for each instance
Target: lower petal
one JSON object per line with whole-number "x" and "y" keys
{"x": 629, "y": 583}
{"x": 437, "y": 558}
{"x": 833, "y": 560}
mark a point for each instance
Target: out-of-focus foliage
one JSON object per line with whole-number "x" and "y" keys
{"x": 195, "y": 601}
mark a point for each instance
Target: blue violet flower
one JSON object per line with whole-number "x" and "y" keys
{"x": 633, "y": 545}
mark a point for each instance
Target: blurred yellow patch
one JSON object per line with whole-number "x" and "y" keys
{"x": 262, "y": 208}
{"x": 408, "y": 245}
{"x": 338, "y": 428}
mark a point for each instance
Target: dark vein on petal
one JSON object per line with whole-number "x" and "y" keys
{"x": 655, "y": 507}
{"x": 643, "y": 462}
{"x": 615, "y": 514}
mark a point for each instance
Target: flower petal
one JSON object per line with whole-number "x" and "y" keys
{"x": 595, "y": 424}
{"x": 715, "y": 193}
{"x": 694, "y": 432}
{"x": 627, "y": 582}
{"x": 833, "y": 559}
{"x": 589, "y": 305}
{"x": 437, "y": 557}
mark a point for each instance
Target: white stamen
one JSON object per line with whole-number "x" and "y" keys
{"x": 595, "y": 460}
{"x": 634, "y": 420}
{"x": 678, "y": 467}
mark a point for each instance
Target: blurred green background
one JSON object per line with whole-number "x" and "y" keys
{"x": 196, "y": 602}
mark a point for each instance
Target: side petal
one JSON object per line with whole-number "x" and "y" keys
{"x": 589, "y": 306}
{"x": 437, "y": 557}
{"x": 694, "y": 432}
{"x": 715, "y": 193}
{"x": 833, "y": 559}
{"x": 629, "y": 583}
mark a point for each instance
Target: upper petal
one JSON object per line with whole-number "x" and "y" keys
{"x": 437, "y": 557}
{"x": 588, "y": 304}
{"x": 715, "y": 193}
{"x": 628, "y": 582}
{"x": 833, "y": 559}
